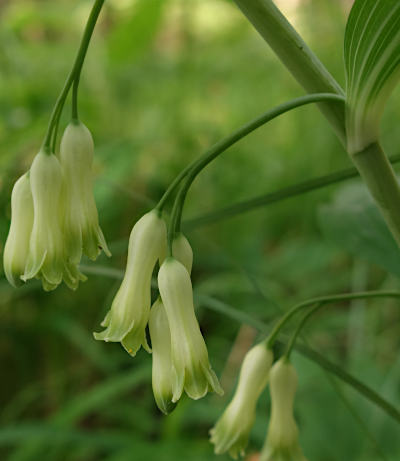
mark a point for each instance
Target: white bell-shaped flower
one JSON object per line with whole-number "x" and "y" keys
{"x": 192, "y": 371}
{"x": 282, "y": 443}
{"x": 160, "y": 335}
{"x": 82, "y": 231}
{"x": 17, "y": 245}
{"x": 46, "y": 257}
{"x": 127, "y": 319}
{"x": 231, "y": 432}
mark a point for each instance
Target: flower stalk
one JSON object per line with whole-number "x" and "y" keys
{"x": 294, "y": 53}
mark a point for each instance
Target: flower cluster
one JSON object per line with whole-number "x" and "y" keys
{"x": 231, "y": 432}
{"x": 180, "y": 357}
{"x": 53, "y": 215}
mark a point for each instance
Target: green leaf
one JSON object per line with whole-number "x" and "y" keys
{"x": 353, "y": 222}
{"x": 372, "y": 62}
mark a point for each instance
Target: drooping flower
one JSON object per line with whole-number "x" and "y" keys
{"x": 162, "y": 374}
{"x": 127, "y": 319}
{"x": 17, "y": 244}
{"x": 282, "y": 443}
{"x": 160, "y": 335}
{"x": 46, "y": 257}
{"x": 192, "y": 371}
{"x": 231, "y": 432}
{"x": 82, "y": 231}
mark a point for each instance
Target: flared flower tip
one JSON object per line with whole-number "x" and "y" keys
{"x": 17, "y": 244}
{"x": 231, "y": 432}
{"x": 190, "y": 363}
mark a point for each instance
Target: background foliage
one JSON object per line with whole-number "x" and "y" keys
{"x": 163, "y": 80}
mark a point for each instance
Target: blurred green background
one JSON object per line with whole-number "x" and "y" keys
{"x": 163, "y": 80}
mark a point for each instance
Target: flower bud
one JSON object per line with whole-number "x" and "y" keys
{"x": 232, "y": 430}
{"x": 46, "y": 249}
{"x": 127, "y": 319}
{"x": 283, "y": 435}
{"x": 81, "y": 222}
{"x": 162, "y": 377}
{"x": 17, "y": 244}
{"x": 191, "y": 369}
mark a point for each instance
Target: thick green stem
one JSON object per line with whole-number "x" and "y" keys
{"x": 377, "y": 173}
{"x": 291, "y": 49}
{"x": 51, "y": 134}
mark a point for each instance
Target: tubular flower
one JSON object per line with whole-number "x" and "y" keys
{"x": 162, "y": 377}
{"x": 46, "y": 256}
{"x": 81, "y": 223}
{"x": 127, "y": 319}
{"x": 17, "y": 244}
{"x": 282, "y": 442}
{"x": 231, "y": 431}
{"x": 191, "y": 369}
{"x": 160, "y": 335}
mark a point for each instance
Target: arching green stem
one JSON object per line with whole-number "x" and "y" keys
{"x": 51, "y": 134}
{"x": 319, "y": 302}
{"x": 194, "y": 169}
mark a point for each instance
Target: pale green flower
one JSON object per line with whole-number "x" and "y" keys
{"x": 46, "y": 257}
{"x": 162, "y": 375}
{"x": 82, "y": 232}
{"x": 182, "y": 251}
{"x": 282, "y": 443}
{"x": 231, "y": 432}
{"x": 127, "y": 319}
{"x": 160, "y": 335}
{"x": 17, "y": 244}
{"x": 192, "y": 371}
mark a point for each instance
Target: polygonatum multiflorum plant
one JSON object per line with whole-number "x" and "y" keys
{"x": 55, "y": 221}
